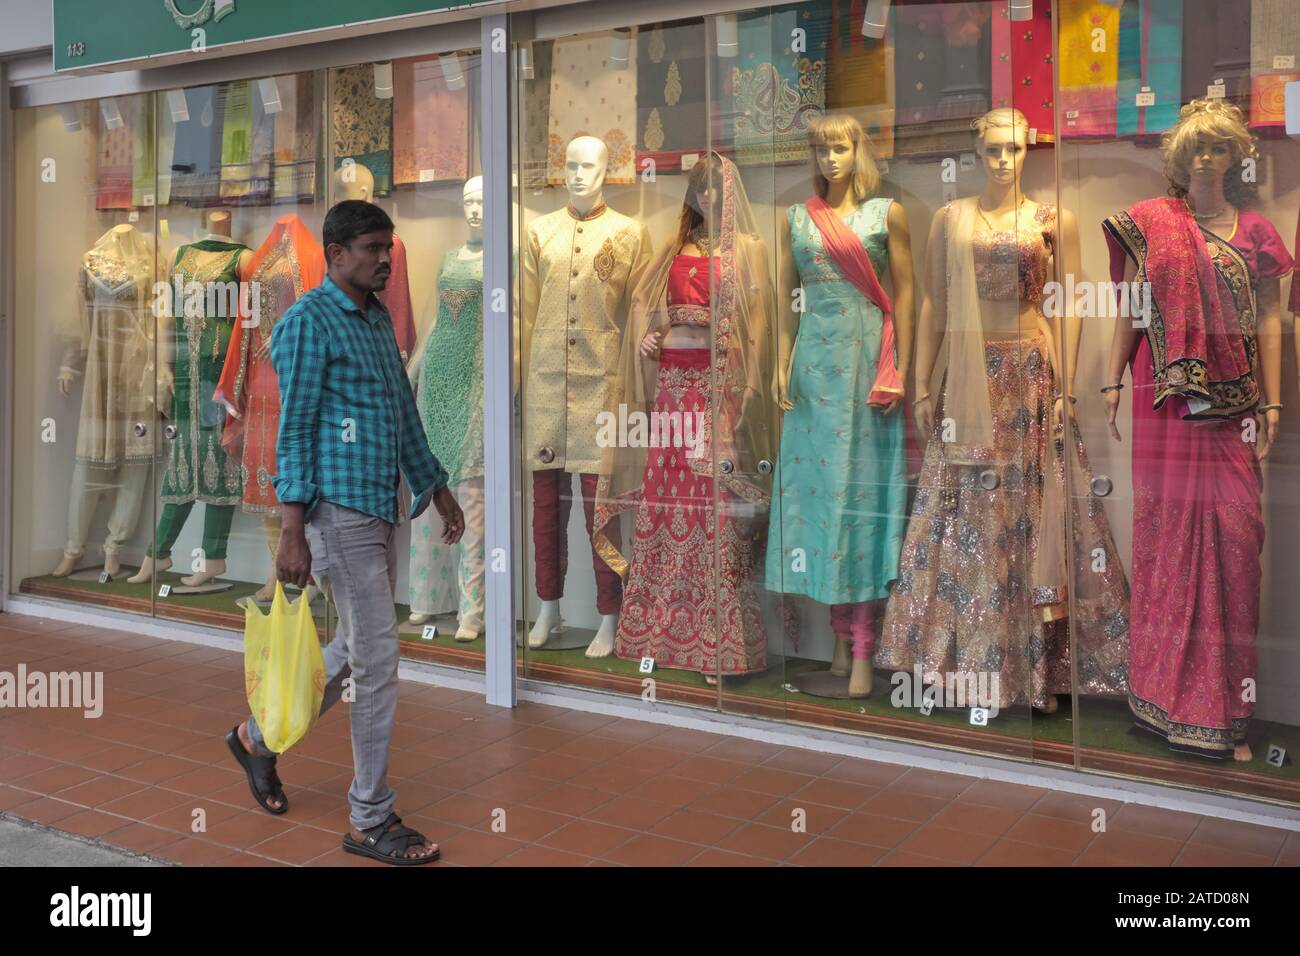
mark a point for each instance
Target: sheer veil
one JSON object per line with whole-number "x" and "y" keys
{"x": 737, "y": 444}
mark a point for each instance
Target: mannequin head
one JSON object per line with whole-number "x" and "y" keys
{"x": 1002, "y": 139}
{"x": 219, "y": 223}
{"x": 843, "y": 153}
{"x": 472, "y": 204}
{"x": 354, "y": 181}
{"x": 703, "y": 200}
{"x": 1206, "y": 148}
{"x": 585, "y": 162}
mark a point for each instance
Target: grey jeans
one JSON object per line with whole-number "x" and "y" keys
{"x": 354, "y": 562}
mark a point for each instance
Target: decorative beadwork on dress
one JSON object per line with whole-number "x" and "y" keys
{"x": 1014, "y": 264}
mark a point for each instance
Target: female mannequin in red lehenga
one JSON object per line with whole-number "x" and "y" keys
{"x": 709, "y": 286}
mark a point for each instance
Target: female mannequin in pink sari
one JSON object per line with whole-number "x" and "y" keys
{"x": 1207, "y": 360}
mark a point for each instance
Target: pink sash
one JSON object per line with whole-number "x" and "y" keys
{"x": 845, "y": 249}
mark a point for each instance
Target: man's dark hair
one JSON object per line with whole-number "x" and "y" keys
{"x": 351, "y": 218}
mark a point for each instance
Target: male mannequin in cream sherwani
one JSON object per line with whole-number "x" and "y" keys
{"x": 581, "y": 264}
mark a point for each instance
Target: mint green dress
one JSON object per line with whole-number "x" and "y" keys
{"x": 840, "y": 497}
{"x": 450, "y": 399}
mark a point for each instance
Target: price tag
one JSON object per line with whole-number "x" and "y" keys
{"x": 430, "y": 632}
{"x": 949, "y": 191}
{"x": 966, "y": 161}
{"x": 647, "y": 665}
{"x": 689, "y": 160}
{"x": 1146, "y": 98}
{"x": 883, "y": 166}
{"x": 1216, "y": 91}
{"x": 165, "y": 590}
{"x": 146, "y": 199}
{"x": 979, "y": 716}
{"x": 133, "y": 216}
{"x": 1071, "y": 117}
{"x": 1276, "y": 755}
{"x": 1033, "y": 135}
{"x": 103, "y": 577}
{"x": 428, "y": 175}
{"x": 927, "y": 705}
{"x": 1286, "y": 62}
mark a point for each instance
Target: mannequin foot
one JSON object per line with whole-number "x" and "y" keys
{"x": 1241, "y": 752}
{"x": 148, "y": 567}
{"x": 840, "y": 660}
{"x": 711, "y": 680}
{"x": 548, "y": 619}
{"x": 603, "y": 644}
{"x": 66, "y": 566}
{"x": 860, "y": 678}
{"x": 211, "y": 569}
{"x": 467, "y": 632}
{"x": 113, "y": 565}
{"x": 266, "y": 593}
{"x": 418, "y": 619}
{"x": 1050, "y": 707}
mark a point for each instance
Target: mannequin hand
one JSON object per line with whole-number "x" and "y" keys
{"x": 650, "y": 344}
{"x": 923, "y": 410}
{"x": 453, "y": 519}
{"x": 1058, "y": 415}
{"x": 1112, "y": 410}
{"x": 65, "y": 382}
{"x": 891, "y": 407}
{"x": 1267, "y": 435}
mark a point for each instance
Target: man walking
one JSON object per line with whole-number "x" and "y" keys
{"x": 348, "y": 424}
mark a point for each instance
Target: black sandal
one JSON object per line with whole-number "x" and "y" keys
{"x": 389, "y": 843}
{"x": 263, "y": 781}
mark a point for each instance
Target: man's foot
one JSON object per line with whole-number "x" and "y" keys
{"x": 390, "y": 842}
{"x": 263, "y": 780}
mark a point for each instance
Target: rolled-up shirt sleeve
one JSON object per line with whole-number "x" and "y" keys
{"x": 299, "y": 351}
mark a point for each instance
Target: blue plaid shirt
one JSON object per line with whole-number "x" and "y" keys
{"x": 348, "y": 420}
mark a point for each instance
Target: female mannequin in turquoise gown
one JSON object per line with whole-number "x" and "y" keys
{"x": 839, "y": 506}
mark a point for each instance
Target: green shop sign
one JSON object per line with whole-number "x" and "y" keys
{"x": 94, "y": 34}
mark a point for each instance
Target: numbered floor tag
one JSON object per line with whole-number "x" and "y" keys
{"x": 430, "y": 632}
{"x": 979, "y": 716}
{"x": 1276, "y": 755}
{"x": 103, "y": 577}
{"x": 165, "y": 590}
{"x": 647, "y": 665}
{"x": 927, "y": 707}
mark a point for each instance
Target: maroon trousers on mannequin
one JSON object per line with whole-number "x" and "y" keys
{"x": 552, "y": 499}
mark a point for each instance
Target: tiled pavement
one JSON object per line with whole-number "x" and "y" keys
{"x": 570, "y": 788}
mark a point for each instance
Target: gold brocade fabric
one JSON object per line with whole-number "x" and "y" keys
{"x": 578, "y": 281}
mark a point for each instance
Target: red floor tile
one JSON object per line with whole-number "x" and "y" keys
{"x": 537, "y": 786}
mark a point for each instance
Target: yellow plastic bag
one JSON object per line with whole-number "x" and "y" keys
{"x": 284, "y": 670}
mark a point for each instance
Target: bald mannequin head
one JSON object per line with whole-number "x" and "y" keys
{"x": 354, "y": 181}
{"x": 585, "y": 162}
{"x": 472, "y": 204}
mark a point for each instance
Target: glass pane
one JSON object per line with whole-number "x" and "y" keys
{"x": 86, "y": 420}
{"x": 1197, "y": 485}
{"x": 240, "y": 201}
{"x": 436, "y": 202}
{"x": 611, "y": 126}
